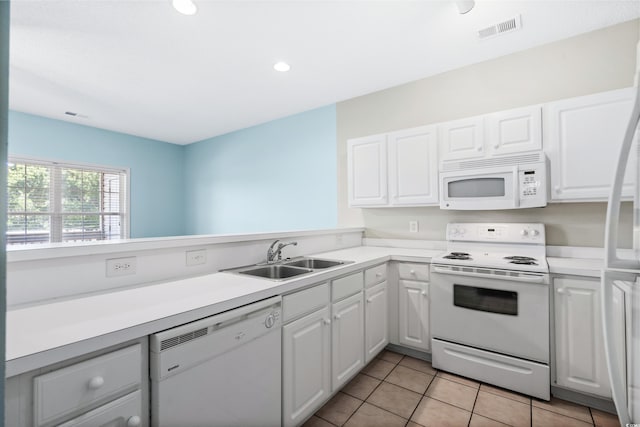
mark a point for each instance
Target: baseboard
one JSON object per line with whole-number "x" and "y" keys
{"x": 600, "y": 403}
{"x": 409, "y": 352}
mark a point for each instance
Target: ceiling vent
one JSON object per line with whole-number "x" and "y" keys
{"x": 503, "y": 27}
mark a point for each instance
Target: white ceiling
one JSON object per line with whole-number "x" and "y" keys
{"x": 141, "y": 68}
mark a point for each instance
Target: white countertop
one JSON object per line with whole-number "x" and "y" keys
{"x": 590, "y": 267}
{"x": 48, "y": 333}
{"x": 40, "y": 335}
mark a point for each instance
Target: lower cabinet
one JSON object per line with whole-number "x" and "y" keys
{"x": 579, "y": 342}
{"x": 413, "y": 314}
{"x": 105, "y": 388}
{"x": 347, "y": 339}
{"x": 306, "y": 366}
{"x": 123, "y": 412}
{"x": 376, "y": 320}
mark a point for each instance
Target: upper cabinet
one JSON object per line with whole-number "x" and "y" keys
{"x": 411, "y": 159}
{"x": 462, "y": 139}
{"x": 514, "y": 131}
{"x": 367, "y": 168}
{"x": 502, "y": 133}
{"x": 582, "y": 140}
{"x": 413, "y": 166}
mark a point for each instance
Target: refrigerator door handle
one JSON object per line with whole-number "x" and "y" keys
{"x": 611, "y": 259}
{"x": 617, "y": 374}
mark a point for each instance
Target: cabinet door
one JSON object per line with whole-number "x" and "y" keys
{"x": 306, "y": 364}
{"x": 413, "y": 166}
{"x": 367, "y": 169}
{"x": 582, "y": 139}
{"x": 123, "y": 412}
{"x": 376, "y": 320}
{"x": 347, "y": 339}
{"x": 462, "y": 139}
{"x": 580, "y": 359}
{"x": 514, "y": 131}
{"x": 414, "y": 314}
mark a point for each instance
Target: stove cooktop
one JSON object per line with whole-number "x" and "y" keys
{"x": 506, "y": 246}
{"x": 493, "y": 260}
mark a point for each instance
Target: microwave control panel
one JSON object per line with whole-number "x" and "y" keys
{"x": 530, "y": 183}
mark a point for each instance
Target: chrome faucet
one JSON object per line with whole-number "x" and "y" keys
{"x": 272, "y": 253}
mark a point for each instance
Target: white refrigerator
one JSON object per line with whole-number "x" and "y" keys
{"x": 621, "y": 281}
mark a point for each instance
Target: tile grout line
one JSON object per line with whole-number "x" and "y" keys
{"x": 474, "y": 405}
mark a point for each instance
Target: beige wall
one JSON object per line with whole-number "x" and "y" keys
{"x": 594, "y": 62}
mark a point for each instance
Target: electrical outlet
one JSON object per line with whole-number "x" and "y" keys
{"x": 121, "y": 266}
{"x": 413, "y": 226}
{"x": 197, "y": 257}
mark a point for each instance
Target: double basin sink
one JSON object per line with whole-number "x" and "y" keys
{"x": 288, "y": 268}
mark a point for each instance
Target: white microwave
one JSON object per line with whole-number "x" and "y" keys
{"x": 504, "y": 187}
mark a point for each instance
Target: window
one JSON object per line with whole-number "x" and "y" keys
{"x": 55, "y": 202}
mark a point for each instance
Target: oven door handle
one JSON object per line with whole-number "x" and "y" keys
{"x": 531, "y": 278}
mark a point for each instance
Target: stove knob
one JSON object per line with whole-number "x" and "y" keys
{"x": 534, "y": 233}
{"x": 524, "y": 232}
{"x": 462, "y": 231}
{"x": 454, "y": 231}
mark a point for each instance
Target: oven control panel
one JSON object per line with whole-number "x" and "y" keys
{"x": 497, "y": 232}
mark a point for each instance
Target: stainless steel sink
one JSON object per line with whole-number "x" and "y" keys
{"x": 275, "y": 271}
{"x": 314, "y": 263}
{"x": 287, "y": 268}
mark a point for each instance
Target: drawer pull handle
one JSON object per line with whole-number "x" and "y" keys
{"x": 424, "y": 293}
{"x": 412, "y": 271}
{"x": 336, "y": 316}
{"x": 369, "y": 300}
{"x": 326, "y": 321}
{"x": 134, "y": 421}
{"x": 378, "y": 274}
{"x": 96, "y": 382}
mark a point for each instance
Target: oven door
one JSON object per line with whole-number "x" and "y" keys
{"x": 496, "y": 310}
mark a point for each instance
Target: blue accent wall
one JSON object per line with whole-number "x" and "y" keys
{"x": 276, "y": 176}
{"x": 156, "y": 168}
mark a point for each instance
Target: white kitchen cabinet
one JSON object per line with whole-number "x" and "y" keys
{"x": 123, "y": 412}
{"x": 462, "y": 139}
{"x": 582, "y": 140}
{"x": 367, "y": 170}
{"x": 414, "y": 314}
{"x": 376, "y": 320}
{"x": 497, "y": 134}
{"x": 413, "y": 166}
{"x": 347, "y": 339}
{"x": 306, "y": 365}
{"x": 514, "y": 131}
{"x": 106, "y": 387}
{"x": 579, "y": 343}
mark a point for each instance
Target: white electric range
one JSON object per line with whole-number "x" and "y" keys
{"x": 490, "y": 306}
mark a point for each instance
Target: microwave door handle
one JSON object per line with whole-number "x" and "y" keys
{"x": 516, "y": 187}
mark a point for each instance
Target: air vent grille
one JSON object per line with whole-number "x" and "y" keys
{"x": 180, "y": 339}
{"x": 503, "y": 27}
{"x": 492, "y": 162}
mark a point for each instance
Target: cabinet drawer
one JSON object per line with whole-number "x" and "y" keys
{"x": 346, "y": 286}
{"x": 375, "y": 275}
{"x": 69, "y": 389}
{"x": 303, "y": 302}
{"x": 419, "y": 272}
{"x": 126, "y": 411}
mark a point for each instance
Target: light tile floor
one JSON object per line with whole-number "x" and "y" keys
{"x": 396, "y": 390}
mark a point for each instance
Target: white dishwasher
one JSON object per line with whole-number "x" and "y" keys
{"x": 224, "y": 370}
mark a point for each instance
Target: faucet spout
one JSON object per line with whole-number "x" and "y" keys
{"x": 273, "y": 253}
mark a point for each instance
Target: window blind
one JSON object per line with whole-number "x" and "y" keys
{"x": 58, "y": 202}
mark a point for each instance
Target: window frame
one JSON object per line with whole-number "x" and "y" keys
{"x": 55, "y": 198}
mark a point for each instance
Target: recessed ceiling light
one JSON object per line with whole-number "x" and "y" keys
{"x": 186, "y": 7}
{"x": 281, "y": 66}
